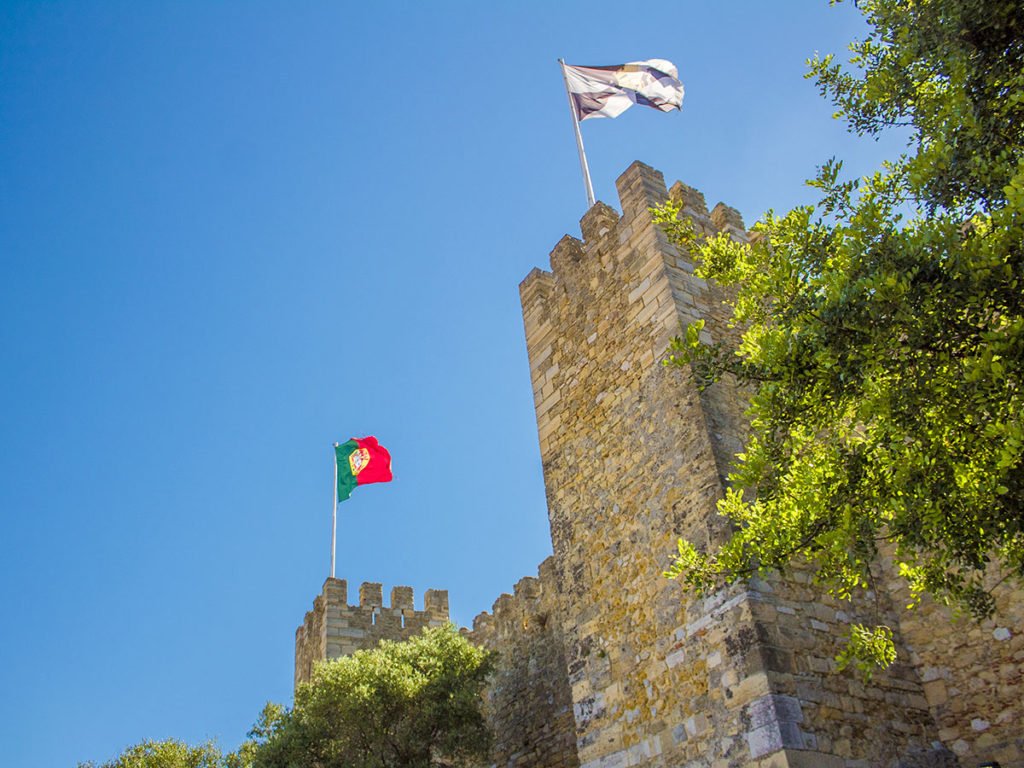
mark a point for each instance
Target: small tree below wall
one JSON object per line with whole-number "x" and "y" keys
{"x": 415, "y": 704}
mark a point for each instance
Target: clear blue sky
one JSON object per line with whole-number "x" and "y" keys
{"x": 233, "y": 233}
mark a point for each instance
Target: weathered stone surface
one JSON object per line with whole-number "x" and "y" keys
{"x": 334, "y": 628}
{"x": 973, "y": 673}
{"x": 529, "y": 701}
{"x": 634, "y": 456}
{"x": 606, "y": 664}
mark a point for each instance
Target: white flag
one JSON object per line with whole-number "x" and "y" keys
{"x": 610, "y": 91}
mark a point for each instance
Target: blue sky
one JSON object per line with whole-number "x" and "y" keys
{"x": 233, "y": 233}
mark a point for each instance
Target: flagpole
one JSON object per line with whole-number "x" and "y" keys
{"x": 579, "y": 140}
{"x": 334, "y": 511}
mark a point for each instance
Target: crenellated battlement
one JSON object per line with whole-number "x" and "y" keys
{"x": 624, "y": 279}
{"x": 529, "y": 606}
{"x": 529, "y": 701}
{"x": 604, "y": 230}
{"x": 333, "y": 628}
{"x": 633, "y": 455}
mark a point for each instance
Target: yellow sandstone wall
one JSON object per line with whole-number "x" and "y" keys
{"x": 972, "y": 674}
{"x": 334, "y": 628}
{"x": 529, "y": 702}
{"x": 635, "y": 456}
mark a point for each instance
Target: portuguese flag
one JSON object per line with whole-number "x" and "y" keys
{"x": 361, "y": 461}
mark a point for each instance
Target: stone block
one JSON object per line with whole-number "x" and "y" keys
{"x": 401, "y": 598}
{"x": 640, "y": 187}
{"x": 935, "y": 692}
{"x": 370, "y": 594}
{"x": 809, "y": 759}
{"x": 774, "y": 708}
{"x": 749, "y": 689}
{"x": 436, "y": 603}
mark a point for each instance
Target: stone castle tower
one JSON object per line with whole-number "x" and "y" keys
{"x": 334, "y": 628}
{"x": 605, "y": 663}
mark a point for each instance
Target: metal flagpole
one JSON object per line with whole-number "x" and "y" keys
{"x": 579, "y": 140}
{"x": 334, "y": 510}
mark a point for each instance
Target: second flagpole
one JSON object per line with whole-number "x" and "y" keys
{"x": 334, "y": 510}
{"x": 579, "y": 139}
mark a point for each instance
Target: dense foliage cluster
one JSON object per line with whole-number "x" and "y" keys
{"x": 415, "y": 704}
{"x": 168, "y": 754}
{"x": 883, "y": 329}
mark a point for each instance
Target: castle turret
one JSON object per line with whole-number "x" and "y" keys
{"x": 634, "y": 456}
{"x": 334, "y": 628}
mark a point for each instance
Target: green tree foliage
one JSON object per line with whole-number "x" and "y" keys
{"x": 165, "y": 754}
{"x": 414, "y": 704}
{"x": 883, "y": 329}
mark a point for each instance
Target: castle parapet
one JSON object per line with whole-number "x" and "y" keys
{"x": 728, "y": 219}
{"x": 334, "y": 628}
{"x": 529, "y": 701}
{"x": 599, "y": 221}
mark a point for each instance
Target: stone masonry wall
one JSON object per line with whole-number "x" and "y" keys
{"x": 842, "y": 719}
{"x": 634, "y": 456}
{"x": 629, "y": 464}
{"x": 972, "y": 674}
{"x": 723, "y": 405}
{"x": 334, "y": 628}
{"x": 528, "y": 701}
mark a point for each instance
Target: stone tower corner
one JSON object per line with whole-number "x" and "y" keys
{"x": 333, "y": 628}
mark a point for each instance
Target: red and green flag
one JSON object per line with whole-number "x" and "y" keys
{"x": 361, "y": 461}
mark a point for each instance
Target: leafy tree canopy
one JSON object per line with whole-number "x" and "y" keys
{"x": 882, "y": 329}
{"x": 165, "y": 754}
{"x": 414, "y": 704}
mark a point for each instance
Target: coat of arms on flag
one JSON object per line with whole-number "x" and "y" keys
{"x": 358, "y": 459}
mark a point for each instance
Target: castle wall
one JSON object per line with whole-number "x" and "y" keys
{"x": 842, "y": 720}
{"x": 334, "y": 628}
{"x": 972, "y": 674}
{"x": 528, "y": 701}
{"x": 604, "y": 663}
{"x": 629, "y": 464}
{"x": 634, "y": 456}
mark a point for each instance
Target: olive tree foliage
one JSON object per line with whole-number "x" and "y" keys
{"x": 882, "y": 330}
{"x": 166, "y": 754}
{"x": 415, "y": 704}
